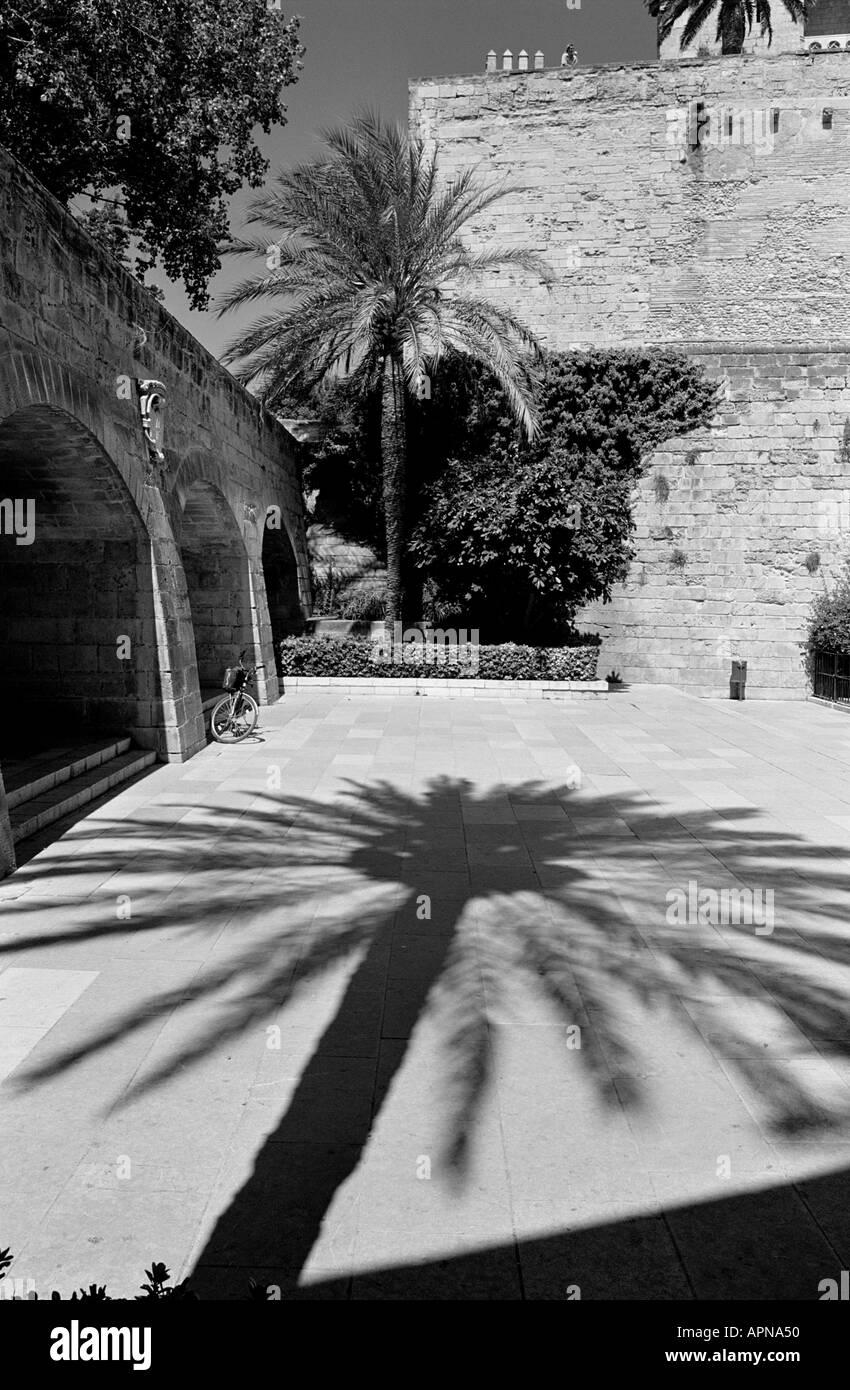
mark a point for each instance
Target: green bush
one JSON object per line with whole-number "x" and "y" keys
{"x": 357, "y": 657}
{"x": 829, "y": 621}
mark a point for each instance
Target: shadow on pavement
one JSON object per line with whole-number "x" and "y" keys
{"x": 565, "y": 890}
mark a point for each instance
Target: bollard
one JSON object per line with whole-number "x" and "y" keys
{"x": 738, "y": 683}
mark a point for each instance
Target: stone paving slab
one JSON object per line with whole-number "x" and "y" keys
{"x": 421, "y": 998}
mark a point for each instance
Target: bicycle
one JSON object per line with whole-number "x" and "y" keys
{"x": 235, "y": 716}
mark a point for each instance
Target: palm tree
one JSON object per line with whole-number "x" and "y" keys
{"x": 735, "y": 18}
{"x": 374, "y": 282}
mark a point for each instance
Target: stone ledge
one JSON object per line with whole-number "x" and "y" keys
{"x": 528, "y": 690}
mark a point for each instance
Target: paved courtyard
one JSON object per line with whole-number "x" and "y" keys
{"x": 384, "y": 1003}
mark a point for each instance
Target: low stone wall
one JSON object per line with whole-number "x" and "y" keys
{"x": 489, "y": 690}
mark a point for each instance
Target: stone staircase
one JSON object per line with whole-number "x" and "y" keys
{"x": 58, "y": 781}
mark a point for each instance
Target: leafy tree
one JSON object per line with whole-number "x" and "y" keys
{"x": 158, "y": 101}
{"x": 108, "y": 225}
{"x": 517, "y": 536}
{"x": 735, "y": 18}
{"x": 344, "y": 466}
{"x": 365, "y": 257}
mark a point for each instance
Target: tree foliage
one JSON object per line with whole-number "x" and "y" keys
{"x": 507, "y": 534}
{"x": 159, "y": 101}
{"x": 829, "y": 620}
{"x": 518, "y": 535}
{"x": 367, "y": 260}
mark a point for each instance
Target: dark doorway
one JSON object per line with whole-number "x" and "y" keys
{"x": 280, "y": 572}
{"x": 77, "y": 628}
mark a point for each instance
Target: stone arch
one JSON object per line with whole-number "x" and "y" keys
{"x": 35, "y": 379}
{"x": 78, "y": 627}
{"x": 280, "y": 574}
{"x": 218, "y": 579}
{"x": 237, "y": 516}
{"x": 170, "y": 719}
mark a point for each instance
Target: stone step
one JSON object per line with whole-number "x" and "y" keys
{"x": 32, "y": 815}
{"x": 34, "y": 777}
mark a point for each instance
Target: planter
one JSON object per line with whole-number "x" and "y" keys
{"x": 349, "y": 657}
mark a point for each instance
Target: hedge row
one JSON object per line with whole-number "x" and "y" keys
{"x": 358, "y": 656}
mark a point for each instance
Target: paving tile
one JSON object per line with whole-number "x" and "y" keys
{"x": 415, "y": 923}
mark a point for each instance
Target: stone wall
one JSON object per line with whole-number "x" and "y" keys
{"x": 743, "y": 237}
{"x": 733, "y": 247}
{"x": 738, "y": 527}
{"x": 140, "y": 568}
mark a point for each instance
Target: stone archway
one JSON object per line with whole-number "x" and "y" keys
{"x": 280, "y": 572}
{"x": 78, "y": 629}
{"x": 216, "y": 566}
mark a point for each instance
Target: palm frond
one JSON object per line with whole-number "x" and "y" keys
{"x": 364, "y": 254}
{"x": 732, "y": 16}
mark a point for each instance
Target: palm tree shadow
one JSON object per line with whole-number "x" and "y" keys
{"x": 438, "y": 904}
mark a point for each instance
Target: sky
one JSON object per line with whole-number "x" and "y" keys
{"x": 364, "y": 52}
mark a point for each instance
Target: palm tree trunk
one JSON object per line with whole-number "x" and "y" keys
{"x": 394, "y": 465}
{"x": 734, "y": 32}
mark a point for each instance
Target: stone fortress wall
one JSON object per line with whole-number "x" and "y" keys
{"x": 701, "y": 203}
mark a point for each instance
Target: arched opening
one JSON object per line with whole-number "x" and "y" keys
{"x": 280, "y": 572}
{"x": 216, "y": 567}
{"x": 77, "y": 627}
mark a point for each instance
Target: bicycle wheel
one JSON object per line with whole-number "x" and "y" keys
{"x": 231, "y": 721}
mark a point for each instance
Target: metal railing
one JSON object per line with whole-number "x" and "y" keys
{"x": 831, "y": 676}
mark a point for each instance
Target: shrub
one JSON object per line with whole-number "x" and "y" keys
{"x": 358, "y": 657}
{"x": 158, "y": 1286}
{"x": 365, "y": 603}
{"x": 328, "y": 588}
{"x": 524, "y": 534}
{"x": 829, "y": 621}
